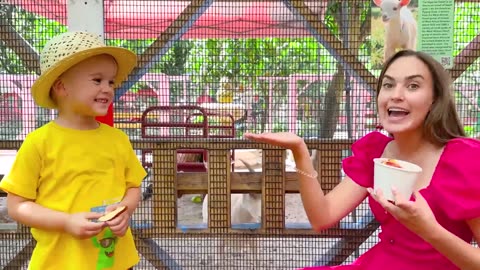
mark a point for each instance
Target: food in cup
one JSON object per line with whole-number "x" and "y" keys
{"x": 392, "y": 162}
{"x": 389, "y": 172}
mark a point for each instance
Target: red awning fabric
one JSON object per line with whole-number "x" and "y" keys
{"x": 138, "y": 19}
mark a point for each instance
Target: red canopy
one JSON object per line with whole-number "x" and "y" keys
{"x": 132, "y": 19}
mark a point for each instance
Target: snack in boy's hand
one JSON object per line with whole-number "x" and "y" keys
{"x": 392, "y": 163}
{"x": 113, "y": 214}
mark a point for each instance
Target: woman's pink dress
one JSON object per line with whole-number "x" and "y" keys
{"x": 453, "y": 195}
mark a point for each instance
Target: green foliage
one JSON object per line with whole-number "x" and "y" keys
{"x": 243, "y": 60}
{"x": 209, "y": 60}
{"x": 35, "y": 30}
{"x": 470, "y": 131}
{"x": 466, "y": 25}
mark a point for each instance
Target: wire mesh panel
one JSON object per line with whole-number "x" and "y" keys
{"x": 209, "y": 71}
{"x": 23, "y": 34}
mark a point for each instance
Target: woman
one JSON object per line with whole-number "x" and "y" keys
{"x": 434, "y": 228}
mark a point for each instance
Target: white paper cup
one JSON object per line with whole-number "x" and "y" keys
{"x": 386, "y": 177}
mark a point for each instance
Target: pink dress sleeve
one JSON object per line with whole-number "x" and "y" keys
{"x": 359, "y": 166}
{"x": 457, "y": 179}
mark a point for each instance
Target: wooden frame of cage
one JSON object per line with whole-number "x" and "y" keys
{"x": 273, "y": 182}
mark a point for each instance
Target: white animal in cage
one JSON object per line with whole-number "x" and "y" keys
{"x": 400, "y": 26}
{"x": 245, "y": 208}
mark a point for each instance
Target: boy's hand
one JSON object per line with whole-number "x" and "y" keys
{"x": 119, "y": 224}
{"x": 80, "y": 226}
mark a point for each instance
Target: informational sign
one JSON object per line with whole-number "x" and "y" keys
{"x": 421, "y": 25}
{"x": 435, "y": 29}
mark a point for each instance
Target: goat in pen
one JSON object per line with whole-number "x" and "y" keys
{"x": 400, "y": 26}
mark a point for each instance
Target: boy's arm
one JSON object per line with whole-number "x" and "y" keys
{"x": 131, "y": 199}
{"x": 119, "y": 224}
{"x": 36, "y": 216}
{"x": 134, "y": 174}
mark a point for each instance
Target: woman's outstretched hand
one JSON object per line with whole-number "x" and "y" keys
{"x": 415, "y": 215}
{"x": 286, "y": 140}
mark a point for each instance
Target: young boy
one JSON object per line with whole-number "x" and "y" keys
{"x": 68, "y": 172}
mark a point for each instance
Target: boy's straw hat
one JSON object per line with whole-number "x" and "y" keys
{"x": 68, "y": 49}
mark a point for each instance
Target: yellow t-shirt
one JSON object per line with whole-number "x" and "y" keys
{"x": 74, "y": 171}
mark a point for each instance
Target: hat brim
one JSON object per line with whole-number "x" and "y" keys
{"x": 126, "y": 61}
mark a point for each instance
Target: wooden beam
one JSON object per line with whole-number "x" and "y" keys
{"x": 174, "y": 29}
{"x": 342, "y": 54}
{"x": 466, "y": 58}
{"x": 222, "y": 144}
{"x": 164, "y": 41}
{"x": 164, "y": 189}
{"x": 22, "y": 257}
{"x": 19, "y": 45}
{"x": 241, "y": 182}
{"x": 273, "y": 191}
{"x": 333, "y": 232}
{"x": 351, "y": 243}
{"x": 145, "y": 249}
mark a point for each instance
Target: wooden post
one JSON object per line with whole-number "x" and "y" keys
{"x": 88, "y": 16}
